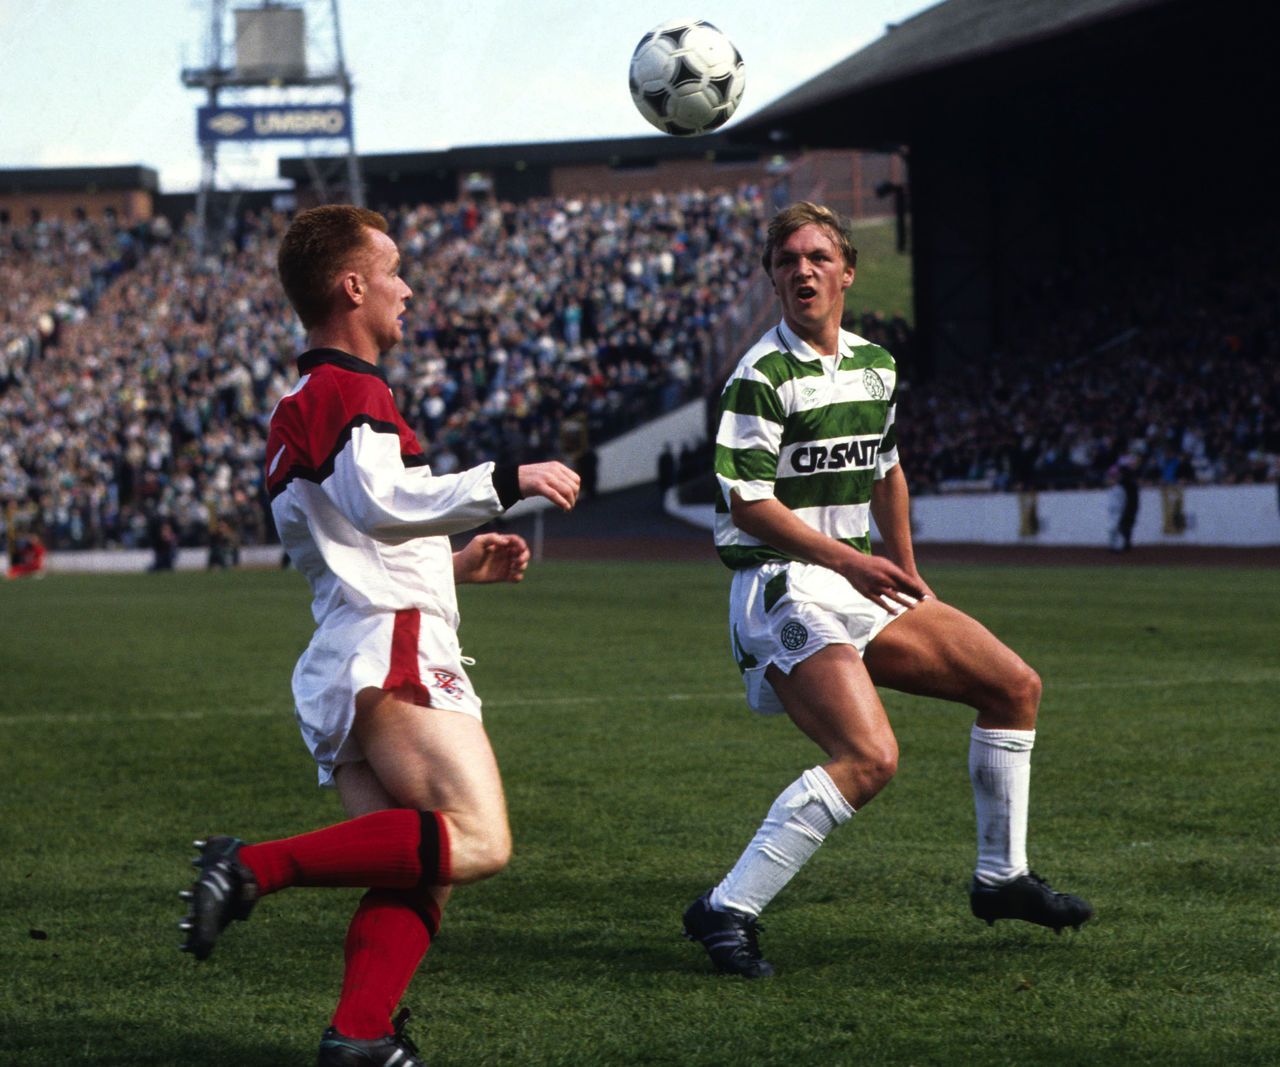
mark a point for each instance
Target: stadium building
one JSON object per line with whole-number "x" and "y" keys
{"x": 618, "y": 167}
{"x": 125, "y": 193}
{"x": 1050, "y": 134}
{"x": 622, "y": 167}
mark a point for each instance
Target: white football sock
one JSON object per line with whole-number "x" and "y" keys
{"x": 1000, "y": 770}
{"x": 797, "y": 823}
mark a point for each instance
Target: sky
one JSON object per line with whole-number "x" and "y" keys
{"x": 92, "y": 83}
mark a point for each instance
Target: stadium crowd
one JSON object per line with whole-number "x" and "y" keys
{"x": 136, "y": 377}
{"x": 544, "y": 326}
{"x": 1165, "y": 369}
{"x": 132, "y": 409}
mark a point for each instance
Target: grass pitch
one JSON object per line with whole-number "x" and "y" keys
{"x": 883, "y": 282}
{"x": 139, "y": 712}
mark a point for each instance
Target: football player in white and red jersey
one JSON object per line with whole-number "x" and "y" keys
{"x": 382, "y": 693}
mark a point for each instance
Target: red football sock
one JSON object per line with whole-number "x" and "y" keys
{"x": 398, "y": 848}
{"x": 388, "y": 936}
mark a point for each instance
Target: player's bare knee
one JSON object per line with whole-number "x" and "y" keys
{"x": 1013, "y": 704}
{"x": 481, "y": 851}
{"x": 497, "y": 852}
{"x": 488, "y": 860}
{"x": 882, "y": 764}
{"x": 860, "y": 776}
{"x": 1025, "y": 688}
{"x": 1035, "y": 688}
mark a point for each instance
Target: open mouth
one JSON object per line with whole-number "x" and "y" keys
{"x": 806, "y": 292}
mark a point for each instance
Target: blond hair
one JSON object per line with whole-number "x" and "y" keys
{"x": 804, "y": 213}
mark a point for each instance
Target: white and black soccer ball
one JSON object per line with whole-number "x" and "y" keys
{"x": 686, "y": 77}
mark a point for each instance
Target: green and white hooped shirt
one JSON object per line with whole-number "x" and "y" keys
{"x": 815, "y": 432}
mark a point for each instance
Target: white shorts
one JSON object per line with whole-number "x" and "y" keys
{"x": 352, "y": 651}
{"x": 782, "y": 613}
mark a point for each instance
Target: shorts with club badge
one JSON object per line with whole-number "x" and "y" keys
{"x": 783, "y": 612}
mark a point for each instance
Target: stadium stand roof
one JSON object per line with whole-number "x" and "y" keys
{"x": 950, "y": 35}
{"x": 617, "y": 151}
{"x": 76, "y": 179}
{"x": 1051, "y": 136}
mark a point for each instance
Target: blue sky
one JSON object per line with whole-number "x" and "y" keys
{"x": 87, "y": 82}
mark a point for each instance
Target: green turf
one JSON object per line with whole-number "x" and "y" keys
{"x": 883, "y": 280}
{"x": 138, "y": 712}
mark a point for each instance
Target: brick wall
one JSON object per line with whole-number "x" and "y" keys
{"x": 130, "y": 205}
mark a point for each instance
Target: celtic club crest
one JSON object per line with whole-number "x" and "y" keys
{"x": 794, "y": 635}
{"x": 873, "y": 384}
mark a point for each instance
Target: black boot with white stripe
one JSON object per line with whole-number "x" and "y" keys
{"x": 395, "y": 1050}
{"x": 224, "y": 890}
{"x": 730, "y": 939}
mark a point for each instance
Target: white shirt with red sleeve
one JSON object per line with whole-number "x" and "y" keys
{"x": 355, "y": 504}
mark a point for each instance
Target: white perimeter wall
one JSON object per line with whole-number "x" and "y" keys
{"x": 624, "y": 462}
{"x": 632, "y": 459}
{"x": 136, "y": 560}
{"x": 1237, "y": 516}
{"x": 1228, "y": 516}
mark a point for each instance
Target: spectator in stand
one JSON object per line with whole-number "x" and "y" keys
{"x": 26, "y": 559}
{"x": 1128, "y": 505}
{"x": 588, "y": 467}
{"x": 666, "y": 470}
{"x": 164, "y": 546}
{"x": 224, "y": 546}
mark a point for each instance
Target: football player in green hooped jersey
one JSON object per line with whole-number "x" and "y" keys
{"x": 806, "y": 456}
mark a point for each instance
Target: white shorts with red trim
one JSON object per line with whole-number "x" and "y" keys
{"x": 782, "y": 613}
{"x": 352, "y": 651}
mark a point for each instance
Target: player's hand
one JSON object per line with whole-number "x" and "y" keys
{"x": 492, "y": 557}
{"x": 883, "y": 581}
{"x": 552, "y": 480}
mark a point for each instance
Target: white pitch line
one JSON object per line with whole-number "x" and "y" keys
{"x": 143, "y": 716}
{"x": 1264, "y": 677}
{"x": 183, "y": 715}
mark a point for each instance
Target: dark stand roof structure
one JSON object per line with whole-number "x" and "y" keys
{"x": 1044, "y": 133}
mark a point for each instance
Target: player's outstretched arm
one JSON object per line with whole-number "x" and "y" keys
{"x": 491, "y": 557}
{"x": 874, "y": 577}
{"x": 552, "y": 480}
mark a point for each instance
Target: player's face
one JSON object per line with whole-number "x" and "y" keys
{"x": 386, "y": 292}
{"x": 810, "y": 275}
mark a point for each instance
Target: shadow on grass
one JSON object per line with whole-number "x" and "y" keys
{"x": 111, "y": 1042}
{"x": 572, "y": 952}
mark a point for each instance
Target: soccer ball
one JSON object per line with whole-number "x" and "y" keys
{"x": 686, "y": 77}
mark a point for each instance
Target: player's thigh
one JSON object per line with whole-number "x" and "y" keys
{"x": 425, "y": 758}
{"x": 831, "y": 698}
{"x": 360, "y": 790}
{"x": 936, "y": 650}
